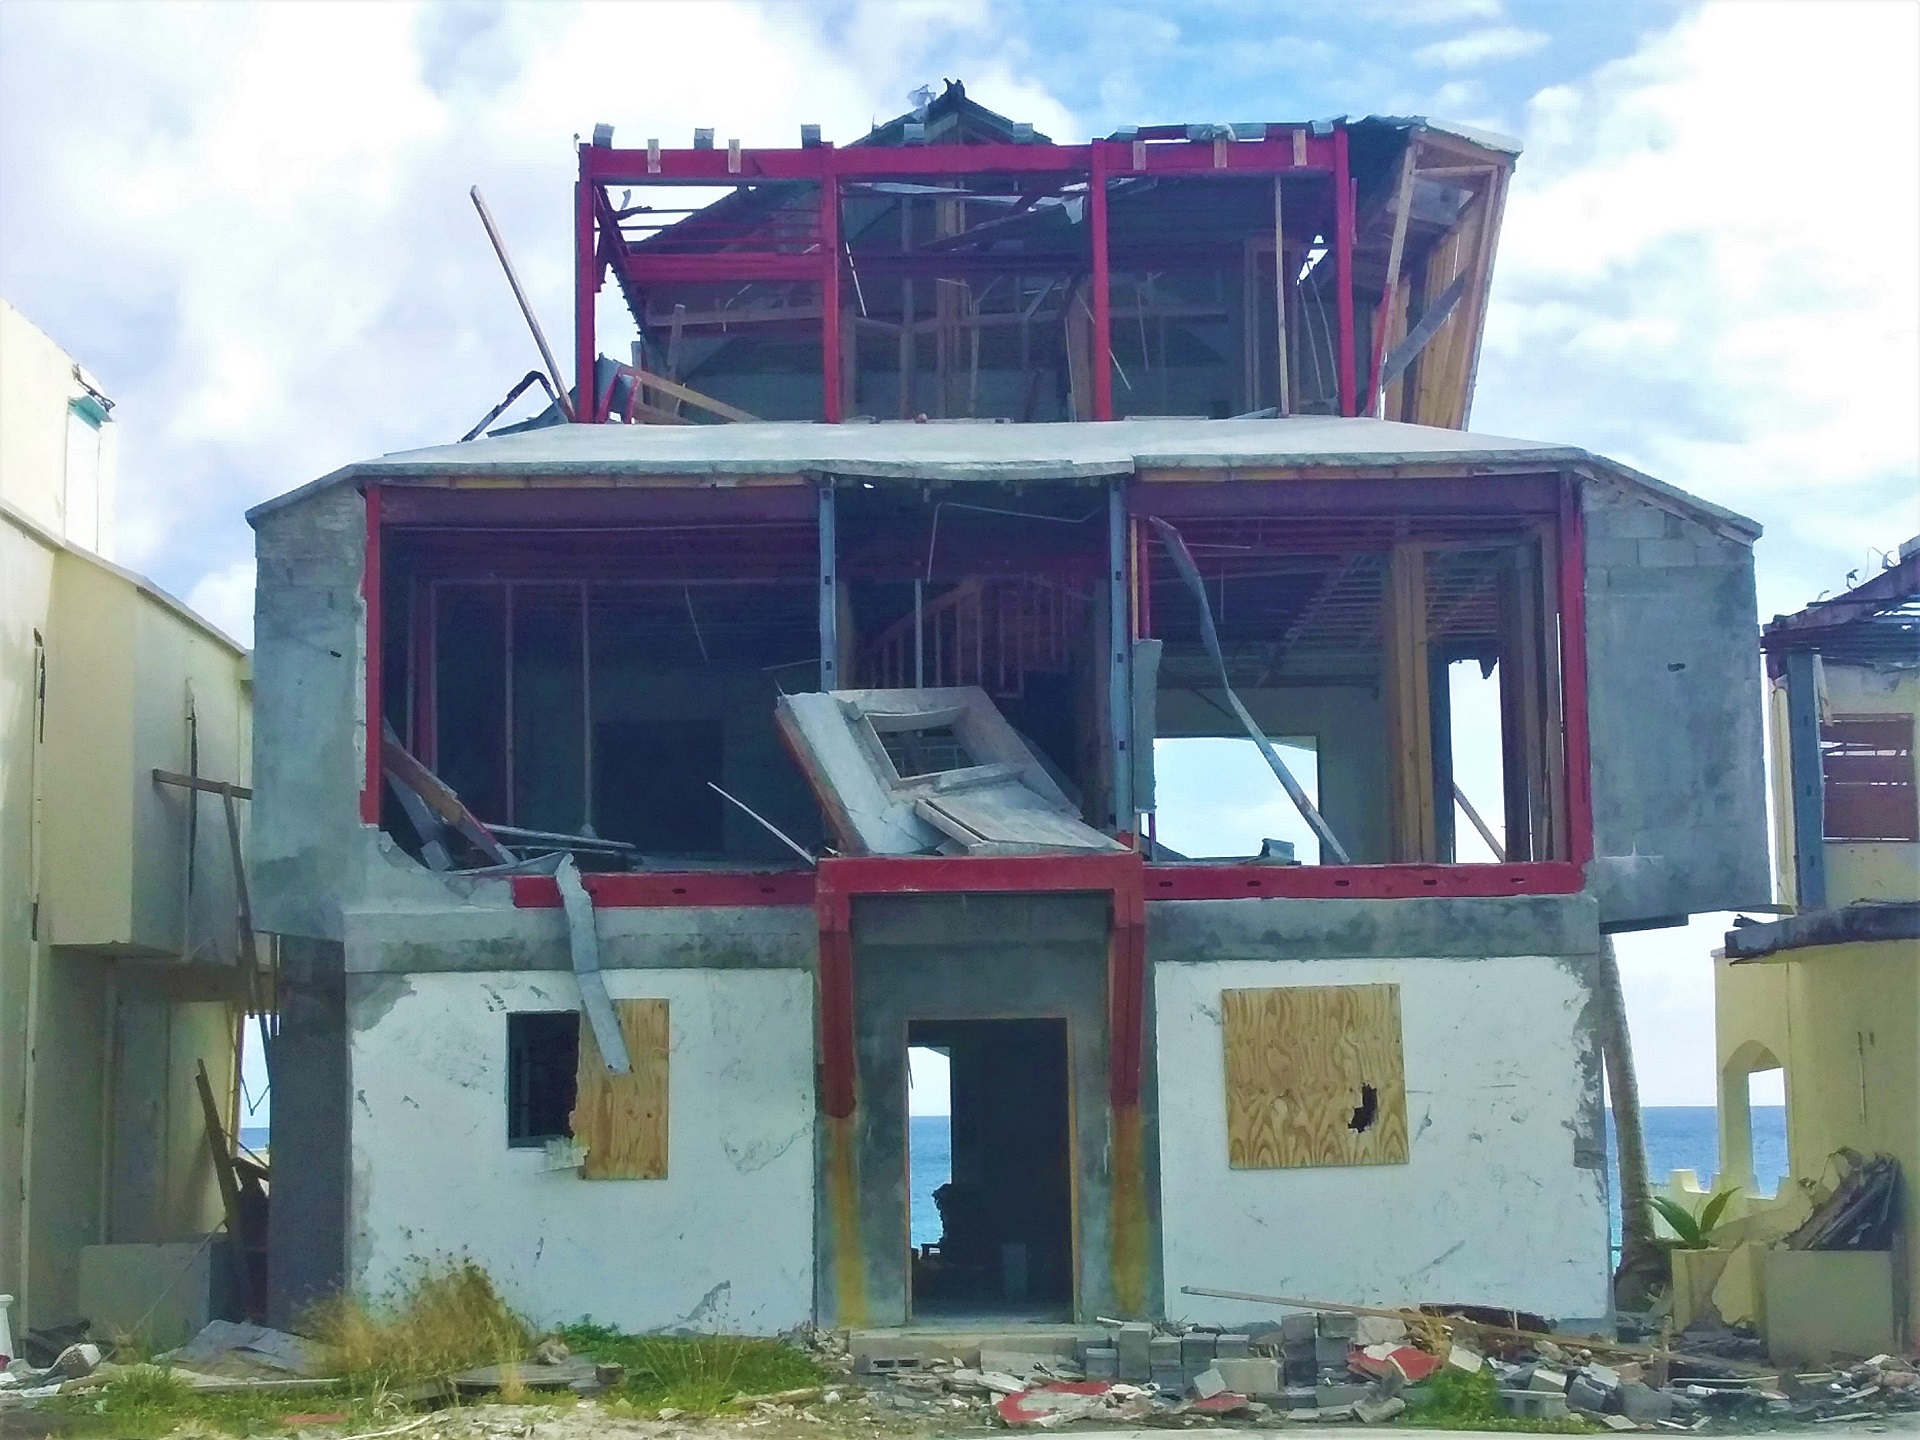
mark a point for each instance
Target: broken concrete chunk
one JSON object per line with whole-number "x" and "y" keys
{"x": 1337, "y": 1395}
{"x": 1337, "y": 1324}
{"x": 1377, "y": 1410}
{"x": 1250, "y": 1375}
{"x": 1548, "y": 1381}
{"x": 1001, "y": 1383}
{"x": 1378, "y": 1330}
{"x": 1209, "y": 1383}
{"x": 1461, "y": 1358}
{"x": 1643, "y": 1404}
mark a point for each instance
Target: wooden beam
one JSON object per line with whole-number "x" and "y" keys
{"x": 1402, "y": 207}
{"x": 196, "y": 782}
{"x": 692, "y": 397}
{"x": 1406, "y": 691}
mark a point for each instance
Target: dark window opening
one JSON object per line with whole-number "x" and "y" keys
{"x": 543, "y": 1060}
{"x": 1867, "y": 761}
{"x": 925, "y": 752}
{"x": 598, "y": 681}
{"x": 1366, "y": 1112}
{"x": 1005, "y": 1245}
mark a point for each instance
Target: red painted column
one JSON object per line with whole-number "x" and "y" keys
{"x": 1102, "y": 346}
{"x": 1343, "y": 267}
{"x": 586, "y": 285}
{"x": 830, "y": 337}
{"x": 370, "y": 594}
{"x": 834, "y": 909}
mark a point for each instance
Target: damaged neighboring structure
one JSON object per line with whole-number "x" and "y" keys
{"x": 125, "y": 968}
{"x": 1830, "y": 994}
{"x": 635, "y": 791}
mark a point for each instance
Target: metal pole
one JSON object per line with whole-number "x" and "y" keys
{"x": 526, "y": 308}
{"x": 1119, "y": 692}
{"x": 829, "y": 598}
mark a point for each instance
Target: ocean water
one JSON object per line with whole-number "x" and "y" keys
{"x": 1679, "y": 1137}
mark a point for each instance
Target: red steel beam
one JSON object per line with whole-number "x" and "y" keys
{"x": 1102, "y": 346}
{"x": 829, "y": 267}
{"x": 608, "y": 166}
{"x": 1343, "y": 207}
{"x": 1360, "y": 882}
{"x": 586, "y": 285}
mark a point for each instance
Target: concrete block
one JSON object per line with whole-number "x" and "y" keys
{"x": 1377, "y": 1409}
{"x": 1164, "y": 1352}
{"x": 1378, "y": 1330}
{"x": 1332, "y": 1396}
{"x": 1533, "y": 1404}
{"x": 1299, "y": 1364}
{"x": 1643, "y": 1404}
{"x": 1209, "y": 1383}
{"x": 1101, "y": 1363}
{"x": 1822, "y": 1303}
{"x": 1330, "y": 1352}
{"x": 1134, "y": 1342}
{"x": 1171, "y": 1381}
{"x": 1587, "y": 1394}
{"x": 1337, "y": 1323}
{"x": 161, "y": 1295}
{"x": 1252, "y": 1376}
{"x": 1300, "y": 1325}
{"x": 1196, "y": 1345}
{"x": 1232, "y": 1347}
{"x": 1547, "y": 1380}
{"x": 1668, "y": 554}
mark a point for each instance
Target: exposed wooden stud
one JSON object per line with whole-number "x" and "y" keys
{"x": 1283, "y": 379}
{"x": 1402, "y": 207}
{"x": 1406, "y": 691}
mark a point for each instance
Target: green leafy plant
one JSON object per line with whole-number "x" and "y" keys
{"x": 1690, "y": 1232}
{"x": 696, "y": 1373}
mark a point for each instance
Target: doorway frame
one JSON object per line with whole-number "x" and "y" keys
{"x": 1073, "y": 1146}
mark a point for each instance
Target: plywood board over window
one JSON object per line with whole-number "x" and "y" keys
{"x": 622, "y": 1119}
{"x": 1314, "y": 1077}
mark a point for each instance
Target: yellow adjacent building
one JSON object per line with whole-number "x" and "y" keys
{"x": 120, "y": 941}
{"x": 1830, "y": 995}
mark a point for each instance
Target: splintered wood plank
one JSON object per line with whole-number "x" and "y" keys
{"x": 622, "y": 1119}
{"x": 1314, "y": 1077}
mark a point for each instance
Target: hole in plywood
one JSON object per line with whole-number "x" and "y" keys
{"x": 1366, "y": 1111}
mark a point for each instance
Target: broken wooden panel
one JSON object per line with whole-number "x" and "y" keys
{"x": 1314, "y": 1077}
{"x": 917, "y": 772}
{"x": 622, "y": 1119}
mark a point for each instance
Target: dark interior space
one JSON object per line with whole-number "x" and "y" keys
{"x": 1006, "y": 1245}
{"x": 990, "y": 585}
{"x": 598, "y": 681}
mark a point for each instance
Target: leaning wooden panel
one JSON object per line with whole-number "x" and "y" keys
{"x": 622, "y": 1119}
{"x": 1314, "y": 1077}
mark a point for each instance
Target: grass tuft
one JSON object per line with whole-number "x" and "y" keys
{"x": 445, "y": 1317}
{"x": 695, "y": 1373}
{"x": 1456, "y": 1400}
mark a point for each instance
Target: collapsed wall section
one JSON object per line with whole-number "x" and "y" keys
{"x": 1476, "y": 1019}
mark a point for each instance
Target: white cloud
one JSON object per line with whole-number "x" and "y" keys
{"x": 225, "y": 596}
{"x": 252, "y": 221}
{"x": 1707, "y": 270}
{"x": 1481, "y": 47}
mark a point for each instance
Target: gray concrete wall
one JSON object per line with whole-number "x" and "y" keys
{"x": 1674, "y": 703}
{"x": 309, "y": 701}
{"x": 974, "y": 957}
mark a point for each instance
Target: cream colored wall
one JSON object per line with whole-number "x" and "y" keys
{"x": 26, "y": 597}
{"x": 37, "y": 381}
{"x": 1844, "y": 1021}
{"x": 100, "y": 1025}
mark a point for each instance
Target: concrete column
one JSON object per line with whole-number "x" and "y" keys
{"x": 307, "y": 1236}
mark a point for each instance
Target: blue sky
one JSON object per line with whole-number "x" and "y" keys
{"x": 250, "y": 222}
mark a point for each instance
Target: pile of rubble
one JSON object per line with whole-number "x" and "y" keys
{"x": 1332, "y": 1366}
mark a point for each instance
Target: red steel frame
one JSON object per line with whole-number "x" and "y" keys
{"x": 370, "y": 584}
{"x": 1290, "y": 152}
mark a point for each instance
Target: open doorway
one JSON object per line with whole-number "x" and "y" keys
{"x": 1005, "y": 1237}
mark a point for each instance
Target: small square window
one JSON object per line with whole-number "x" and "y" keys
{"x": 1867, "y": 762}
{"x": 543, "y": 1062}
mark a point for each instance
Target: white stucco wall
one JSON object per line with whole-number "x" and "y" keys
{"x": 724, "y": 1242}
{"x": 1491, "y": 1207}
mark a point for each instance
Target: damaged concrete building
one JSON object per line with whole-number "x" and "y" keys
{"x": 638, "y": 783}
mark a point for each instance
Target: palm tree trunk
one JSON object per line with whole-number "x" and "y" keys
{"x": 1642, "y": 1263}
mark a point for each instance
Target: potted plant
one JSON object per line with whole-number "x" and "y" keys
{"x": 1697, "y": 1262}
